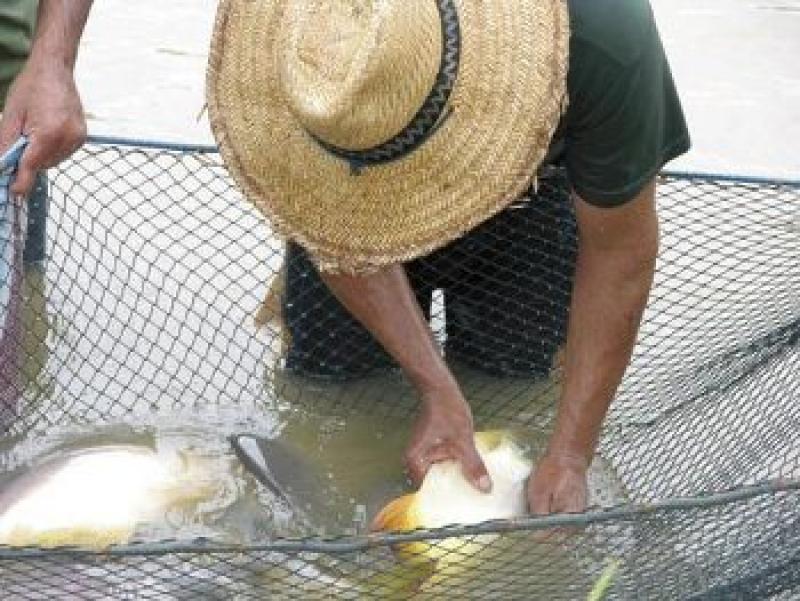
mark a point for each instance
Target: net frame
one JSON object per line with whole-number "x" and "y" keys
{"x": 740, "y": 509}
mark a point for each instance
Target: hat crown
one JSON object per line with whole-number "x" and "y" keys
{"x": 355, "y": 72}
{"x": 292, "y": 84}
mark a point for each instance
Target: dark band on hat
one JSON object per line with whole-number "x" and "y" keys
{"x": 431, "y": 115}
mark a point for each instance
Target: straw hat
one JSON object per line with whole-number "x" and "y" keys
{"x": 375, "y": 131}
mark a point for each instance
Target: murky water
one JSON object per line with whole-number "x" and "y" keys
{"x": 343, "y": 469}
{"x": 342, "y": 465}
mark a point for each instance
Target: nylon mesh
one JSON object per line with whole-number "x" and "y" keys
{"x": 149, "y": 303}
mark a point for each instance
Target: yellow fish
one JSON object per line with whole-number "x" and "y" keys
{"x": 447, "y": 498}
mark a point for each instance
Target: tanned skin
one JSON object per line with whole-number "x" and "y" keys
{"x": 616, "y": 260}
{"x": 43, "y": 103}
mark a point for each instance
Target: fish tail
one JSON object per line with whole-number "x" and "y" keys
{"x": 396, "y": 515}
{"x": 399, "y": 515}
{"x": 403, "y": 581}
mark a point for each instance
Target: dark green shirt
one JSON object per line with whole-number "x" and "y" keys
{"x": 624, "y": 120}
{"x": 17, "y": 18}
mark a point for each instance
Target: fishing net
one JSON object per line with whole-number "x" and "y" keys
{"x": 165, "y": 298}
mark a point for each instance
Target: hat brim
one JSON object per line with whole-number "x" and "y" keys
{"x": 508, "y": 99}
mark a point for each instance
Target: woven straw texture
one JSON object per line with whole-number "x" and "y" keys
{"x": 508, "y": 97}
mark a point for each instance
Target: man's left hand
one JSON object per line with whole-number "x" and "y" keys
{"x": 44, "y": 104}
{"x": 558, "y": 485}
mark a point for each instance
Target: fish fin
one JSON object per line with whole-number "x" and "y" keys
{"x": 251, "y": 453}
{"x": 398, "y": 514}
{"x": 401, "y": 581}
{"x": 83, "y": 536}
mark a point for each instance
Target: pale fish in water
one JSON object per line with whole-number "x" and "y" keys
{"x": 97, "y": 497}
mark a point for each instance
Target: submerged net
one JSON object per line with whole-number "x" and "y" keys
{"x": 166, "y": 299}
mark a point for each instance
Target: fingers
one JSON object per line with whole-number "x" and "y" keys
{"x": 557, "y": 490}
{"x": 26, "y": 174}
{"x": 42, "y": 151}
{"x": 474, "y": 469}
{"x": 418, "y": 463}
{"x": 539, "y": 502}
{"x": 564, "y": 503}
{"x": 547, "y": 502}
{"x": 11, "y": 128}
{"x": 10, "y": 131}
{"x": 46, "y": 149}
{"x": 44, "y": 105}
{"x": 572, "y": 502}
{"x": 416, "y": 466}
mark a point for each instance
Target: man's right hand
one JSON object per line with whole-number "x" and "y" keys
{"x": 443, "y": 431}
{"x": 385, "y": 304}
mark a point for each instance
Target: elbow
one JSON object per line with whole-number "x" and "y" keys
{"x": 639, "y": 263}
{"x": 622, "y": 244}
{"x": 645, "y": 257}
{"x": 632, "y": 259}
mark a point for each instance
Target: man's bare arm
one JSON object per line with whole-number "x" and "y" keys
{"x": 43, "y": 103}
{"x": 59, "y": 27}
{"x": 616, "y": 262}
{"x": 385, "y": 304}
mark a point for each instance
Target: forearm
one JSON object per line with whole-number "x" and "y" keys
{"x": 612, "y": 284}
{"x": 385, "y": 304}
{"x": 59, "y": 27}
{"x": 43, "y": 102}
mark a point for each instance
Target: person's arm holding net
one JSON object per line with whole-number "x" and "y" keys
{"x": 44, "y": 103}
